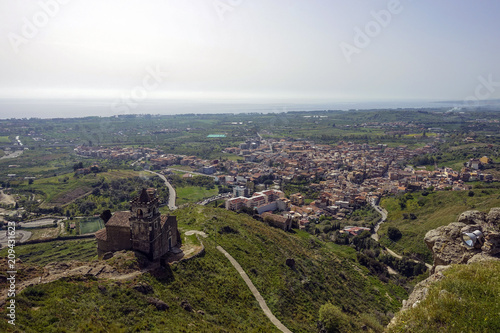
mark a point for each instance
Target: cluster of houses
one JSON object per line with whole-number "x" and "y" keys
{"x": 343, "y": 177}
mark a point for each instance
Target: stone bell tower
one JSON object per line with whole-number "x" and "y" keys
{"x": 145, "y": 224}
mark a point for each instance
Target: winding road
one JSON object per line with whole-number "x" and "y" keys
{"x": 382, "y": 212}
{"x": 255, "y": 292}
{"x": 171, "y": 191}
{"x": 375, "y": 236}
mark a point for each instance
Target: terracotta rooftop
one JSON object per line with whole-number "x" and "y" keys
{"x": 120, "y": 219}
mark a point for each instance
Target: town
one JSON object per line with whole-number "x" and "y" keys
{"x": 339, "y": 179}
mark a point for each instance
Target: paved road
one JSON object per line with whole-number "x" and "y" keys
{"x": 255, "y": 292}
{"x": 38, "y": 223}
{"x": 214, "y": 198}
{"x": 382, "y": 212}
{"x": 192, "y": 172}
{"x": 21, "y": 236}
{"x": 171, "y": 191}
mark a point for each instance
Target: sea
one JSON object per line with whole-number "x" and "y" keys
{"x": 64, "y": 108}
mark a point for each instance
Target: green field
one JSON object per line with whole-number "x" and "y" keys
{"x": 4, "y": 139}
{"x": 191, "y": 194}
{"x": 90, "y": 225}
{"x": 431, "y": 211}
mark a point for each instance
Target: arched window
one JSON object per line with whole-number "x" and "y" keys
{"x": 139, "y": 213}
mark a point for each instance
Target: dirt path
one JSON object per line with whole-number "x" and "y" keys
{"x": 395, "y": 255}
{"x": 255, "y": 292}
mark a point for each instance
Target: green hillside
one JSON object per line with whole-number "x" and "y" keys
{"x": 416, "y": 213}
{"x": 323, "y": 273}
{"x": 466, "y": 300}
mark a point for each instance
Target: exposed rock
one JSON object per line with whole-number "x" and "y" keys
{"x": 421, "y": 290}
{"x": 186, "y": 306}
{"x": 492, "y": 243}
{"x": 441, "y": 268}
{"x": 143, "y": 288}
{"x": 493, "y": 217}
{"x": 201, "y": 312}
{"x": 446, "y": 244}
{"x": 481, "y": 257}
{"x": 107, "y": 255}
{"x": 472, "y": 217}
{"x": 158, "y": 303}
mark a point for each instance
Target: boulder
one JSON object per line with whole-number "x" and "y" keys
{"x": 143, "y": 288}
{"x": 446, "y": 245}
{"x": 158, "y": 303}
{"x": 493, "y": 217}
{"x": 186, "y": 306}
{"x": 481, "y": 257}
{"x": 491, "y": 244}
{"x": 472, "y": 217}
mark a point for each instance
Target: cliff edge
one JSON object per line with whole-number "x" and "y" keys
{"x": 449, "y": 247}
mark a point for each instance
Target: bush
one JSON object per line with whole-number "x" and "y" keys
{"x": 333, "y": 319}
{"x": 394, "y": 234}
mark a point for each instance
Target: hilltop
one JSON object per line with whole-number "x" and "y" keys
{"x": 206, "y": 294}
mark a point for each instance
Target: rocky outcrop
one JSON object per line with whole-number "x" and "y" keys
{"x": 448, "y": 248}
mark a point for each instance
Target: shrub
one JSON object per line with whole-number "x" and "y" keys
{"x": 394, "y": 234}
{"x": 333, "y": 319}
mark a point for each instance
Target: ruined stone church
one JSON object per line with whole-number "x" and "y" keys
{"x": 141, "y": 229}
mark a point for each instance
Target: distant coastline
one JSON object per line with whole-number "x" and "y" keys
{"x": 61, "y": 108}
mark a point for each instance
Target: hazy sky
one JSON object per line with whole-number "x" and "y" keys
{"x": 314, "y": 50}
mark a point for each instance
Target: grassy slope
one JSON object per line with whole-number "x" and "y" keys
{"x": 191, "y": 194}
{"x": 44, "y": 253}
{"x": 323, "y": 273}
{"x": 439, "y": 208}
{"x": 465, "y": 301}
{"x": 54, "y": 187}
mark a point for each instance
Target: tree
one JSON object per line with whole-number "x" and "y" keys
{"x": 333, "y": 319}
{"x": 77, "y": 166}
{"x": 394, "y": 234}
